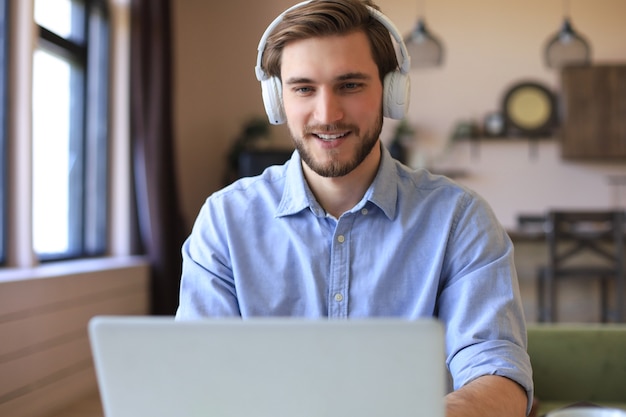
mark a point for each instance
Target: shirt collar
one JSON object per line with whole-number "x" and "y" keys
{"x": 297, "y": 195}
{"x": 384, "y": 189}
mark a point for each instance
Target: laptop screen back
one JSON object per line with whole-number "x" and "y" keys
{"x": 154, "y": 366}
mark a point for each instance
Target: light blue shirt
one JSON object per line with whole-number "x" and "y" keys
{"x": 416, "y": 245}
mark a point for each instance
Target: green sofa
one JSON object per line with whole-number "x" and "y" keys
{"x": 578, "y": 363}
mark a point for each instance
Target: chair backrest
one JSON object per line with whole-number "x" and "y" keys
{"x": 595, "y": 238}
{"x": 581, "y": 362}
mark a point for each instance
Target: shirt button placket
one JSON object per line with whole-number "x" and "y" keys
{"x": 340, "y": 267}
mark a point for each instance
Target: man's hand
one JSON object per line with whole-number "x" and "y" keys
{"x": 488, "y": 396}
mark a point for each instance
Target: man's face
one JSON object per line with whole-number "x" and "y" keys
{"x": 333, "y": 101}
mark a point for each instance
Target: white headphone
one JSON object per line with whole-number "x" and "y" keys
{"x": 396, "y": 86}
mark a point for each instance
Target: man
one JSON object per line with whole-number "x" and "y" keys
{"x": 344, "y": 231}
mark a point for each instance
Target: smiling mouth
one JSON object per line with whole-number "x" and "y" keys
{"x": 330, "y": 137}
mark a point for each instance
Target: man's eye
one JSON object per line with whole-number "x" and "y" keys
{"x": 352, "y": 86}
{"x": 303, "y": 90}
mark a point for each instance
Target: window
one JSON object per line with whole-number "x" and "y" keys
{"x": 3, "y": 125}
{"x": 69, "y": 132}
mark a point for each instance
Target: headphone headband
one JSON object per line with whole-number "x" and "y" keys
{"x": 396, "y": 86}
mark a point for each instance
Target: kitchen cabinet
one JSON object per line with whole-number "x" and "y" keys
{"x": 593, "y": 105}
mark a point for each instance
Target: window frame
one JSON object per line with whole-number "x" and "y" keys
{"x": 88, "y": 187}
{"x": 4, "y": 73}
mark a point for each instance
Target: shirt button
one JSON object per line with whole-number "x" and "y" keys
{"x": 338, "y": 297}
{"x": 341, "y": 238}
{"x": 364, "y": 211}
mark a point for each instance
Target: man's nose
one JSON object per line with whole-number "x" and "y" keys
{"x": 328, "y": 107}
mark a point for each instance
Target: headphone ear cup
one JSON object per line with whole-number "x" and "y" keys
{"x": 396, "y": 95}
{"x": 272, "y": 91}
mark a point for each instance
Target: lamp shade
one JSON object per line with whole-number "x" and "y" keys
{"x": 567, "y": 47}
{"x": 424, "y": 48}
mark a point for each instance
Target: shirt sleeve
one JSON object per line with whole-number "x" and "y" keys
{"x": 480, "y": 302}
{"x": 207, "y": 286}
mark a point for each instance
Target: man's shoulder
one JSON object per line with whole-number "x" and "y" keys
{"x": 425, "y": 189}
{"x": 271, "y": 179}
{"x": 426, "y": 180}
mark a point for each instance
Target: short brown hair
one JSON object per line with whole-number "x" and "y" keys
{"x": 320, "y": 18}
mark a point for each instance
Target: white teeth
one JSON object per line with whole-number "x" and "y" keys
{"x": 330, "y": 137}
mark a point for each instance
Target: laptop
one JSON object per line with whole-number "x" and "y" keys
{"x": 268, "y": 367}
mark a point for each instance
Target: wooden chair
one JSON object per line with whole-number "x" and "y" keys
{"x": 584, "y": 245}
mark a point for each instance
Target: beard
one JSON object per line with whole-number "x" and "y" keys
{"x": 335, "y": 167}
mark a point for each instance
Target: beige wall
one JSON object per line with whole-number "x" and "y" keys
{"x": 490, "y": 44}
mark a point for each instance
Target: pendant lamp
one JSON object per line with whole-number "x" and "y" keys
{"x": 423, "y": 47}
{"x": 567, "y": 47}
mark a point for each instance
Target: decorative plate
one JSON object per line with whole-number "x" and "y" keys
{"x": 529, "y": 108}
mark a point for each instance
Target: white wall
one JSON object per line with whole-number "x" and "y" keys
{"x": 490, "y": 45}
